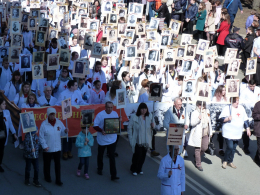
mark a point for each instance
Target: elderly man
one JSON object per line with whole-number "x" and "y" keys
{"x": 177, "y": 115}
{"x": 47, "y": 99}
{"x": 106, "y": 140}
{"x": 50, "y": 132}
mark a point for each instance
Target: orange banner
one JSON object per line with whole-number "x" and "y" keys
{"x": 40, "y": 114}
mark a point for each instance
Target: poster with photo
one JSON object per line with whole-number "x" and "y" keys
{"x": 35, "y": 12}
{"x": 175, "y": 134}
{"x": 15, "y": 27}
{"x": 62, "y": 9}
{"x": 112, "y": 18}
{"x": 119, "y": 6}
{"x": 233, "y": 67}
{"x": 251, "y": 65}
{"x": 81, "y": 35}
{"x": 105, "y": 28}
{"x": 203, "y": 92}
{"x": 3, "y": 13}
{"x": 111, "y": 125}
{"x": 66, "y": 18}
{"x": 78, "y": 69}
{"x": 25, "y": 62}
{"x": 180, "y": 53}
{"x": 151, "y": 56}
{"x": 88, "y": 42}
{"x": 112, "y": 34}
{"x": 16, "y": 14}
{"x": 232, "y": 87}
{"x": 131, "y": 8}
{"x": 169, "y": 56}
{"x": 138, "y": 10}
{"x": 63, "y": 42}
{"x": 32, "y": 23}
{"x": 151, "y": 35}
{"x": 96, "y": 51}
{"x": 38, "y": 57}
{"x": 17, "y": 40}
{"x": 105, "y": 49}
{"x": 155, "y": 92}
{"x": 113, "y": 48}
{"x": 121, "y": 29}
{"x": 40, "y": 38}
{"x": 136, "y": 65}
{"x": 93, "y": 24}
{"x": 141, "y": 45}
{"x": 190, "y": 51}
{"x": 122, "y": 12}
{"x": 209, "y": 60}
{"x": 25, "y": 17}
{"x": 65, "y": 57}
{"x": 186, "y": 68}
{"x": 3, "y": 53}
{"x": 188, "y": 89}
{"x": 83, "y": 22}
{"x": 1, "y": 41}
{"x": 44, "y": 22}
{"x": 14, "y": 53}
{"x": 130, "y": 52}
{"x": 186, "y": 39}
{"x": 165, "y": 40}
{"x": 51, "y": 75}
{"x": 87, "y": 119}
{"x": 123, "y": 42}
{"x": 154, "y": 23}
{"x": 106, "y": 7}
{"x": 28, "y": 122}
{"x": 203, "y": 45}
{"x": 37, "y": 71}
{"x": 120, "y": 98}
{"x": 53, "y": 61}
{"x": 231, "y": 53}
{"x": 175, "y": 26}
{"x": 66, "y": 108}
{"x": 215, "y": 50}
{"x": 140, "y": 28}
{"x": 53, "y": 33}
{"x": 132, "y": 19}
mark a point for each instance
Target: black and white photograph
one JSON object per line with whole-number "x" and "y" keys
{"x": 186, "y": 69}
{"x": 138, "y": 10}
{"x": 231, "y": 53}
{"x": 169, "y": 56}
{"x": 122, "y": 12}
{"x": 215, "y": 110}
{"x": 209, "y": 61}
{"x": 124, "y": 41}
{"x": 203, "y": 92}
{"x": 82, "y": 11}
{"x": 4, "y": 53}
{"x": 84, "y": 22}
{"x": 175, "y": 26}
{"x": 232, "y": 87}
{"x": 151, "y": 56}
{"x": 140, "y": 28}
{"x": 53, "y": 33}
{"x": 93, "y": 24}
{"x": 141, "y": 45}
{"x": 63, "y": 44}
{"x": 188, "y": 88}
{"x": 40, "y": 38}
{"x": 17, "y": 40}
{"x": 190, "y": 51}
{"x": 251, "y": 65}
{"x": 44, "y": 22}
{"x": 62, "y": 9}
{"x": 131, "y": 8}
{"x": 112, "y": 34}
{"x": 112, "y": 19}
{"x": 96, "y": 51}
{"x": 28, "y": 122}
{"x": 132, "y": 19}
{"x": 155, "y": 92}
{"x": 88, "y": 42}
{"x": 78, "y": 69}
{"x": 31, "y": 23}
{"x": 129, "y": 33}
{"x": 152, "y": 35}
{"x": 233, "y": 67}
{"x": 113, "y": 47}
{"x": 186, "y": 39}
{"x": 35, "y": 12}
{"x": 37, "y": 71}
{"x": 136, "y": 65}
{"x": 66, "y": 19}
{"x": 203, "y": 45}
{"x": 180, "y": 53}
{"x": 87, "y": 117}
{"x": 66, "y": 108}
{"x": 107, "y": 6}
{"x": 81, "y": 34}
{"x": 15, "y": 13}
{"x": 15, "y": 27}
{"x": 25, "y": 17}
{"x": 53, "y": 61}
{"x": 25, "y": 62}
{"x": 165, "y": 40}
{"x": 154, "y": 23}
{"x": 121, "y": 98}
{"x": 105, "y": 50}
{"x": 121, "y": 29}
{"x": 14, "y": 53}
{"x": 38, "y": 57}
{"x": 65, "y": 57}
{"x": 130, "y": 51}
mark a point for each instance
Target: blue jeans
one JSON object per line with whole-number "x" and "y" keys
{"x": 232, "y": 18}
{"x": 212, "y": 93}
{"x": 67, "y": 146}
{"x": 151, "y": 12}
{"x": 35, "y": 163}
{"x": 83, "y": 161}
{"x": 230, "y": 150}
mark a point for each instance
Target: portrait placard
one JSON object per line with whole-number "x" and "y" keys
{"x": 165, "y": 39}
{"x": 233, "y": 67}
{"x": 14, "y": 53}
{"x": 122, "y": 12}
{"x": 37, "y": 71}
{"x": 66, "y": 18}
{"x": 51, "y": 75}
{"x": 232, "y": 88}
{"x": 4, "y": 53}
{"x": 25, "y": 17}
{"x": 113, "y": 48}
{"x": 186, "y": 68}
{"x": 112, "y": 18}
{"x": 106, "y": 7}
{"x": 186, "y": 39}
{"x": 112, "y": 34}
{"x": 66, "y": 108}
{"x": 180, "y": 53}
{"x": 78, "y": 69}
{"x": 35, "y": 12}
{"x": 202, "y": 46}
{"x": 140, "y": 28}
{"x": 38, "y": 57}
{"x": 175, "y": 26}
{"x": 209, "y": 60}
{"x": 121, "y": 29}
{"x": 154, "y": 23}
{"x": 62, "y": 9}
{"x": 17, "y": 40}
{"x": 251, "y": 65}
{"x": 141, "y": 45}
{"x": 96, "y": 51}
{"x": 16, "y": 14}
{"x": 63, "y": 42}
{"x": 138, "y": 10}
{"x": 53, "y": 33}
{"x": 53, "y": 61}
{"x": 190, "y": 51}
{"x": 111, "y": 125}
{"x": 65, "y": 57}
{"x": 175, "y": 134}
{"x": 169, "y": 56}
{"x": 88, "y": 42}
{"x": 28, "y": 122}
{"x": 151, "y": 56}
{"x": 203, "y": 92}
{"x": 231, "y": 53}
{"x": 25, "y": 62}
{"x": 40, "y": 38}
{"x": 152, "y": 35}
{"x": 87, "y": 119}
{"x": 93, "y": 24}
{"x": 136, "y": 65}
{"x": 44, "y": 22}
{"x": 130, "y": 51}
{"x": 15, "y": 27}
{"x": 188, "y": 88}
{"x": 131, "y": 8}
{"x": 155, "y": 92}
{"x": 121, "y": 98}
{"x": 215, "y": 50}
{"x": 32, "y": 23}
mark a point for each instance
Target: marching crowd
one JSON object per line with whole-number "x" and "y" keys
{"x": 68, "y": 34}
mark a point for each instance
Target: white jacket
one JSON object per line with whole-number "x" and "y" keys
{"x": 19, "y": 100}
{"x": 10, "y": 91}
{"x": 8, "y": 124}
{"x": 50, "y": 136}
{"x": 176, "y": 183}
{"x": 76, "y": 97}
{"x": 42, "y": 100}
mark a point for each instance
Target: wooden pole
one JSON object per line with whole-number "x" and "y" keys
{"x": 67, "y": 128}
{"x": 32, "y": 145}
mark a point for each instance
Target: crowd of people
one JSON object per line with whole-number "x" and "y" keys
{"x": 51, "y": 51}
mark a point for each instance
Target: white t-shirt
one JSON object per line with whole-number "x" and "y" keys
{"x": 99, "y": 121}
{"x": 234, "y": 128}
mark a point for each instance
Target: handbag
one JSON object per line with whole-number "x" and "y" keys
{"x": 2, "y": 134}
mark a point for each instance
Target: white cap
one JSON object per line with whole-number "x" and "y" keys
{"x": 51, "y": 110}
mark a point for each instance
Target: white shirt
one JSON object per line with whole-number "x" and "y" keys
{"x": 25, "y": 105}
{"x": 42, "y": 100}
{"x": 96, "y": 97}
{"x": 19, "y": 100}
{"x": 61, "y": 88}
{"x": 50, "y": 136}
{"x": 85, "y": 90}
{"x": 76, "y": 97}
{"x": 27, "y": 39}
{"x": 5, "y": 77}
{"x": 10, "y": 90}
{"x": 97, "y": 76}
{"x": 42, "y": 83}
{"x": 249, "y": 96}
{"x": 53, "y": 51}
{"x": 99, "y": 121}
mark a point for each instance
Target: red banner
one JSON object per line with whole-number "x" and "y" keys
{"x": 40, "y": 114}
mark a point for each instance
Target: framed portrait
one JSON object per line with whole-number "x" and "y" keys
{"x": 88, "y": 42}
{"x": 202, "y": 46}
{"x": 175, "y": 26}
{"x": 83, "y": 5}
{"x": 96, "y": 51}
{"x": 122, "y": 12}
{"x": 180, "y": 53}
{"x": 66, "y": 108}
{"x": 83, "y": 22}
{"x": 14, "y": 53}
{"x": 174, "y": 36}
{"x": 233, "y": 67}
{"x": 121, "y": 29}
{"x": 209, "y": 60}
{"x": 215, "y": 50}
{"x": 203, "y": 92}
{"x": 130, "y": 51}
{"x": 37, "y": 71}
{"x": 87, "y": 118}
{"x": 40, "y": 38}
{"x": 105, "y": 28}
{"x": 188, "y": 87}
{"x": 231, "y": 53}
{"x": 175, "y": 130}
{"x": 35, "y": 12}
{"x": 106, "y": 7}
{"x": 51, "y": 75}
{"x": 81, "y": 35}
{"x": 78, "y": 69}
{"x": 113, "y": 48}
{"x": 15, "y": 27}
{"x": 140, "y": 45}
{"x": 155, "y": 92}
{"x": 105, "y": 49}
{"x": 151, "y": 35}
{"x": 232, "y": 87}
{"x": 123, "y": 42}
{"x": 1, "y": 41}
{"x": 28, "y": 122}
{"x": 32, "y": 23}
{"x": 65, "y": 30}
{"x": 53, "y": 61}
{"x": 112, "y": 18}
{"x": 62, "y": 9}
{"x": 111, "y": 125}
{"x": 136, "y": 65}
{"x": 132, "y": 19}
{"x": 17, "y": 40}
{"x": 25, "y": 17}
{"x": 186, "y": 39}
{"x": 112, "y": 34}
{"x": 121, "y": 98}
{"x": 151, "y": 57}
{"x": 140, "y": 28}
{"x": 65, "y": 57}
{"x": 186, "y": 69}
{"x": 251, "y": 65}
{"x": 165, "y": 39}
{"x": 44, "y": 22}
{"x": 63, "y": 42}
{"x": 53, "y": 33}
{"x": 66, "y": 18}
{"x": 38, "y": 57}
{"x": 119, "y": 6}
{"x": 169, "y": 56}
{"x": 15, "y": 14}
{"x": 4, "y": 53}
{"x": 138, "y": 10}
{"x": 129, "y": 33}
{"x": 190, "y": 51}
{"x": 93, "y": 24}
{"x": 154, "y": 23}
{"x": 25, "y": 62}
{"x": 131, "y": 8}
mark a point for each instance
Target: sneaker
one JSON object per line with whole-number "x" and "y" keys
{"x": 141, "y": 173}
{"x": 37, "y": 184}
{"x": 232, "y": 165}
{"x": 78, "y": 172}
{"x": 86, "y": 176}
{"x": 246, "y": 151}
{"x": 65, "y": 156}
{"x": 224, "y": 165}
{"x": 221, "y": 153}
{"x": 114, "y": 178}
{"x": 69, "y": 154}
{"x": 154, "y": 153}
{"x": 1, "y": 169}
{"x": 134, "y": 173}
{"x": 21, "y": 146}
{"x": 27, "y": 183}
{"x": 200, "y": 168}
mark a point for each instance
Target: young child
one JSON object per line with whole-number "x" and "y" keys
{"x": 84, "y": 143}
{"x": 97, "y": 95}
{"x": 30, "y": 158}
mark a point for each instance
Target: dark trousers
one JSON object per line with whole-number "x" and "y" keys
{"x": 232, "y": 18}
{"x": 189, "y": 27}
{"x": 153, "y": 142}
{"x": 221, "y": 50}
{"x": 83, "y": 161}
{"x": 200, "y": 34}
{"x": 2, "y": 148}
{"x": 35, "y": 163}
{"x": 220, "y": 140}
{"x": 257, "y": 155}
{"x": 138, "y": 159}
{"x": 67, "y": 146}
{"x": 245, "y": 140}
{"x": 230, "y": 150}
{"x": 244, "y": 56}
{"x": 111, "y": 154}
{"x": 47, "y": 156}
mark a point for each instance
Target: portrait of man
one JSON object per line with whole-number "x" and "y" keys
{"x": 25, "y": 18}
{"x": 105, "y": 50}
{"x": 113, "y": 18}
{"x": 62, "y": 9}
{"x": 208, "y": 62}
{"x": 129, "y": 34}
{"x": 15, "y": 28}
{"x": 25, "y": 62}
{"x": 164, "y": 40}
{"x": 251, "y": 65}
{"x": 190, "y": 50}
{"x": 89, "y": 40}
{"x": 202, "y": 46}
{"x": 44, "y": 23}
{"x": 136, "y": 64}
{"x": 17, "y": 40}
{"x": 131, "y": 52}
{"x": 97, "y": 49}
{"x": 32, "y": 23}
{"x": 83, "y": 5}
{"x": 38, "y": 57}
{"x": 37, "y": 70}
{"x": 132, "y": 19}
{"x": 53, "y": 61}
{"x": 232, "y": 87}
{"x": 93, "y": 25}
{"x": 186, "y": 66}
{"x": 63, "y": 44}
{"x": 203, "y": 91}
{"x": 152, "y": 55}
{"x": 4, "y": 53}
{"x": 152, "y": 36}
{"x": 53, "y": 34}
{"x": 169, "y": 57}
{"x": 140, "y": 45}
{"x": 81, "y": 34}
{"x": 15, "y": 13}
{"x": 108, "y": 6}
{"x": 87, "y": 118}
{"x": 180, "y": 52}
{"x": 79, "y": 68}
{"x": 40, "y": 38}
{"x": 14, "y": 54}
{"x": 140, "y": 28}
{"x": 153, "y": 24}
{"x": 64, "y": 57}
{"x": 175, "y": 26}
{"x": 147, "y": 45}
{"x": 42, "y": 15}
{"x": 186, "y": 40}
{"x": 113, "y": 48}
{"x": 234, "y": 66}
{"x": 138, "y": 9}
{"x": 155, "y": 90}
{"x": 81, "y": 12}
{"x": 35, "y": 13}
{"x": 188, "y": 87}
{"x": 27, "y": 121}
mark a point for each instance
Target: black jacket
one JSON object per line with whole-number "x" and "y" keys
{"x": 162, "y": 11}
{"x": 234, "y": 41}
{"x": 248, "y": 42}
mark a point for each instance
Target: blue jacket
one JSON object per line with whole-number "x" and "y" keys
{"x": 191, "y": 12}
{"x": 233, "y": 7}
{"x": 84, "y": 150}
